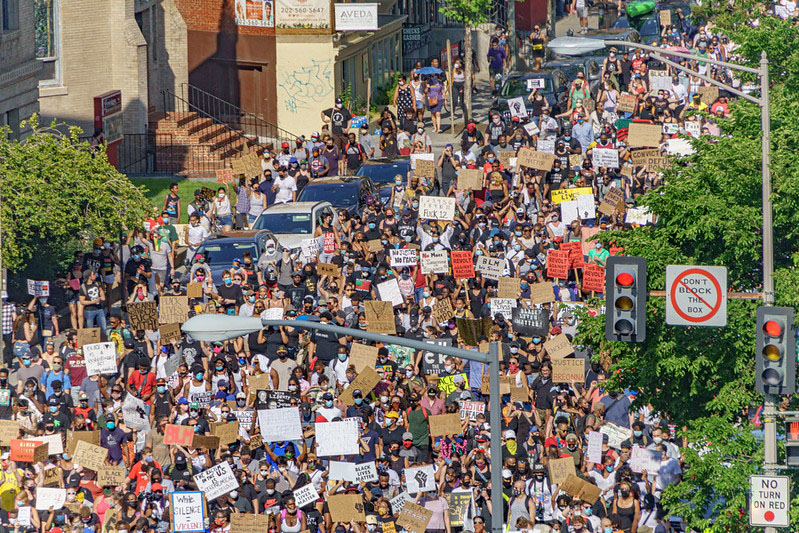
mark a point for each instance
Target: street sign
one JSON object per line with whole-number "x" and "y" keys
{"x": 696, "y": 295}
{"x": 769, "y": 501}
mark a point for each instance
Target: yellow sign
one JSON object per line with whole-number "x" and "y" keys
{"x": 565, "y": 195}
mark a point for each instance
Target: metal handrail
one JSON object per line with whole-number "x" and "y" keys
{"x": 234, "y": 116}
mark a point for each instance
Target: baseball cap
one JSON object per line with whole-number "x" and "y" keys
{"x": 241, "y": 396}
{"x": 506, "y": 474}
{"x": 509, "y": 434}
{"x": 407, "y": 436}
{"x": 182, "y": 400}
{"x": 284, "y": 144}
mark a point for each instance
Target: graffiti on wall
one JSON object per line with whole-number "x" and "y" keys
{"x": 306, "y": 85}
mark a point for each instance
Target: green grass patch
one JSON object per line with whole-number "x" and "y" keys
{"x": 156, "y": 190}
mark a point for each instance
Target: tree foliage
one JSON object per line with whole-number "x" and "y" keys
{"x": 709, "y": 213}
{"x": 56, "y": 194}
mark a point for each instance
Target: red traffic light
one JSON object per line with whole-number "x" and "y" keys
{"x": 625, "y": 279}
{"x": 773, "y": 328}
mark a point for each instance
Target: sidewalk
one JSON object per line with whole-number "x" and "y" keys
{"x": 481, "y": 103}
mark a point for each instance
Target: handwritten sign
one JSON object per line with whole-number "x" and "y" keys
{"x": 403, "y": 258}
{"x": 568, "y": 370}
{"x": 605, "y": 157}
{"x": 643, "y": 135}
{"x": 527, "y": 157}
{"x": 143, "y": 316}
{"x": 490, "y": 267}
{"x": 47, "y": 497}
{"x": 90, "y": 456}
{"x": 366, "y": 380}
{"x": 174, "y": 309}
{"x": 112, "y": 476}
{"x": 564, "y": 195}
{"x": 577, "y": 488}
{"x": 101, "y": 358}
{"x": 612, "y": 202}
{"x": 558, "y": 347}
{"x": 594, "y": 453}
{"x": 709, "y": 95}
{"x": 434, "y": 262}
{"x": 380, "y": 317}
{"x": 337, "y": 438}
{"x": 389, "y": 291}
{"x": 362, "y": 356}
{"x": 216, "y": 481}
{"x": 88, "y": 336}
{"x": 541, "y": 293}
{"x": 442, "y": 311}
{"x": 170, "y": 332}
{"x": 626, "y": 103}
{"x": 188, "y": 512}
{"x": 327, "y": 269}
{"x": 224, "y": 175}
{"x": 436, "y": 208}
{"x": 414, "y": 518}
{"x": 560, "y": 470}
{"x": 74, "y": 437}
{"x": 508, "y": 288}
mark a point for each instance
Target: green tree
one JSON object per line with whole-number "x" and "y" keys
{"x": 709, "y": 213}
{"x": 55, "y": 195}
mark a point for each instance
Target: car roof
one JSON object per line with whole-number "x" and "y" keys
{"x": 294, "y": 207}
{"x": 237, "y": 235}
{"x": 336, "y": 179}
{"x": 385, "y": 160}
{"x": 543, "y": 73}
{"x": 611, "y": 34}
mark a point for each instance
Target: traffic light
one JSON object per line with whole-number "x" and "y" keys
{"x": 625, "y": 293}
{"x": 776, "y": 351}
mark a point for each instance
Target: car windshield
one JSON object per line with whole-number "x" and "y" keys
{"x": 285, "y": 222}
{"x": 518, "y": 87}
{"x": 225, "y": 253}
{"x": 385, "y": 172}
{"x": 338, "y": 194}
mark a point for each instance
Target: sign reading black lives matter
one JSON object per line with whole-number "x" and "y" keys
{"x": 531, "y": 322}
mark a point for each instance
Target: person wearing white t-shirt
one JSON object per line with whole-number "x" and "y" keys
{"x": 668, "y": 473}
{"x": 286, "y": 188}
{"x": 195, "y": 233}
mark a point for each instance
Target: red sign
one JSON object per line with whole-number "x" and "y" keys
{"x": 462, "y": 264}
{"x": 594, "y": 278}
{"x": 575, "y": 249}
{"x": 181, "y": 435}
{"x": 558, "y": 264}
{"x": 28, "y": 451}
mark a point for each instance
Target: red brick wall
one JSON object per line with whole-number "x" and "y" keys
{"x": 214, "y": 16}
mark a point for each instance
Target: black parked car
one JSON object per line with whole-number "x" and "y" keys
{"x": 352, "y": 193}
{"x": 555, "y": 90}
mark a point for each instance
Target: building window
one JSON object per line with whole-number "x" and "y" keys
{"x": 46, "y": 35}
{"x": 12, "y": 121}
{"x": 10, "y": 14}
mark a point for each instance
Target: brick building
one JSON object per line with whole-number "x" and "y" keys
{"x": 19, "y": 70}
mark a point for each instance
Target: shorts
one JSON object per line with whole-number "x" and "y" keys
{"x": 419, "y": 104}
{"x": 241, "y": 220}
{"x": 225, "y": 220}
{"x": 494, "y": 71}
{"x": 583, "y": 13}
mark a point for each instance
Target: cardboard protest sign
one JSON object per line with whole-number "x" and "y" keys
{"x": 224, "y": 175}
{"x": 90, "y": 456}
{"x": 28, "y": 451}
{"x": 643, "y": 459}
{"x": 366, "y": 380}
{"x": 436, "y": 208}
{"x": 434, "y": 262}
{"x": 414, "y": 518}
{"x": 470, "y": 409}
{"x": 459, "y": 501}
{"x": 389, "y": 291}
{"x": 180, "y": 435}
{"x": 420, "y": 479}
{"x": 88, "y": 336}
{"x": 531, "y": 322}
{"x": 55, "y": 444}
{"x": 337, "y": 438}
{"x": 173, "y": 309}
{"x": 470, "y": 179}
{"x": 346, "y": 507}
{"x": 541, "y": 293}
{"x": 362, "y": 356}
{"x": 594, "y": 452}
{"x": 226, "y": 431}
{"x": 448, "y": 424}
{"x": 442, "y": 310}
{"x": 527, "y": 157}
{"x": 38, "y": 288}
{"x": 605, "y": 157}
{"x": 577, "y": 488}
{"x": 560, "y": 469}
{"x": 305, "y": 495}
{"x": 328, "y": 269}
{"x": 380, "y": 317}
{"x": 558, "y": 264}
{"x": 74, "y": 437}
{"x": 101, "y": 358}
{"x": 9, "y": 430}
{"x": 558, "y": 347}
{"x": 425, "y": 168}
{"x": 490, "y": 267}
{"x": 403, "y": 258}
{"x": 112, "y": 476}
{"x": 651, "y": 159}
{"x": 665, "y": 17}
{"x": 280, "y": 424}
{"x": 505, "y": 156}
{"x": 470, "y": 329}
{"x": 626, "y": 103}
{"x": 53, "y": 477}
{"x": 708, "y": 95}
{"x": 508, "y": 288}
{"x": 568, "y": 370}
{"x": 216, "y": 481}
{"x": 238, "y": 166}
{"x": 594, "y": 278}
{"x": 188, "y": 512}
{"x": 462, "y": 264}
{"x": 643, "y": 135}
{"x": 170, "y": 332}
{"x": 143, "y": 315}
{"x": 612, "y": 202}
{"x": 565, "y": 195}
{"x": 576, "y": 160}
{"x": 209, "y": 442}
{"x": 47, "y": 497}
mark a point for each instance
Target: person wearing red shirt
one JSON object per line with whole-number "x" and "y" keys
{"x": 141, "y": 382}
{"x": 142, "y": 476}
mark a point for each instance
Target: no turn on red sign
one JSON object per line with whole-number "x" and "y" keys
{"x": 696, "y": 295}
{"x": 769, "y": 501}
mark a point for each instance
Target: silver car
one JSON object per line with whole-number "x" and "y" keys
{"x": 293, "y": 222}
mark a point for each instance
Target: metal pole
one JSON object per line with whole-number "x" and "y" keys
{"x": 657, "y": 49}
{"x": 495, "y": 420}
{"x": 451, "y": 89}
{"x": 514, "y": 45}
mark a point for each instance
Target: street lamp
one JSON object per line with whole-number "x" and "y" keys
{"x": 210, "y": 328}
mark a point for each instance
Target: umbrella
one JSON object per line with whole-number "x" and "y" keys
{"x": 574, "y": 46}
{"x": 429, "y": 70}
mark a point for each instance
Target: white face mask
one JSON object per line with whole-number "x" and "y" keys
{"x": 221, "y": 195}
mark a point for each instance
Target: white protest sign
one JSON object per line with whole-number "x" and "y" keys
{"x": 679, "y": 147}
{"x": 24, "y": 516}
{"x": 569, "y": 211}
{"x": 531, "y": 129}
{"x": 616, "y": 434}
{"x": 693, "y": 128}
{"x": 54, "y": 443}
{"x": 273, "y": 313}
{"x": 47, "y": 497}
{"x": 659, "y": 80}
{"x": 38, "y": 288}
{"x": 420, "y": 479}
{"x": 342, "y": 470}
{"x": 670, "y": 128}
{"x": 280, "y": 424}
{"x": 536, "y": 83}
{"x": 366, "y": 472}
{"x": 389, "y": 291}
{"x": 642, "y": 459}
{"x": 594, "y": 454}
{"x": 605, "y": 157}
{"x": 436, "y": 208}
{"x": 546, "y": 146}
{"x": 134, "y": 413}
{"x": 398, "y": 502}
{"x": 311, "y": 247}
{"x": 638, "y": 215}
{"x": 585, "y": 206}
{"x": 490, "y": 267}
{"x": 517, "y": 107}
{"x": 337, "y": 438}
{"x": 216, "y": 481}
{"x": 503, "y": 306}
{"x": 403, "y": 258}
{"x": 305, "y": 495}
{"x": 434, "y": 262}
{"x": 187, "y": 512}
{"x": 101, "y": 358}
{"x": 472, "y": 409}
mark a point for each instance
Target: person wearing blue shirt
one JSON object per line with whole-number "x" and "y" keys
{"x": 56, "y": 373}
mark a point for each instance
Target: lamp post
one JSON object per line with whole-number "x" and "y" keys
{"x": 211, "y": 328}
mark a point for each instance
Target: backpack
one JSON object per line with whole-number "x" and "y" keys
{"x": 360, "y": 150}
{"x": 424, "y": 412}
